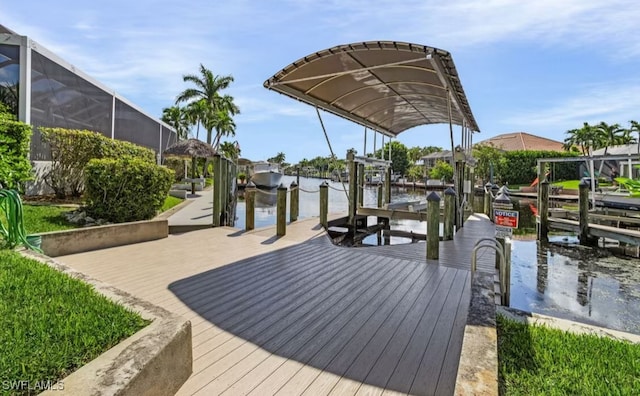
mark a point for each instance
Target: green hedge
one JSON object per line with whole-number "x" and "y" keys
{"x": 126, "y": 189}
{"x": 520, "y": 167}
{"x": 72, "y": 149}
{"x": 15, "y": 137}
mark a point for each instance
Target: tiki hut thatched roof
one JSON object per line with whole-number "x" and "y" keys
{"x": 190, "y": 148}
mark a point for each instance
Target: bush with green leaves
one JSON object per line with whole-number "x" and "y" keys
{"x": 442, "y": 170}
{"x": 72, "y": 149}
{"x": 520, "y": 167}
{"x": 15, "y": 137}
{"x": 125, "y": 189}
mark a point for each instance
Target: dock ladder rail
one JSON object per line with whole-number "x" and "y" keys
{"x": 502, "y": 273}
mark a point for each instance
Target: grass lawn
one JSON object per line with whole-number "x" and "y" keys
{"x": 45, "y": 218}
{"x": 170, "y": 202}
{"x": 536, "y": 360}
{"x": 52, "y": 324}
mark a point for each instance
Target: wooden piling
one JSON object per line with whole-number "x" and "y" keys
{"x": 281, "y": 211}
{"x": 387, "y": 185}
{"x": 506, "y": 292}
{"x": 324, "y": 204}
{"x": 583, "y": 203}
{"x": 250, "y": 206}
{"x": 380, "y": 194}
{"x": 217, "y": 190}
{"x": 449, "y": 213}
{"x": 543, "y": 211}
{"x": 433, "y": 226}
{"x": 487, "y": 200}
{"x": 224, "y": 202}
{"x": 472, "y": 191}
{"x": 295, "y": 202}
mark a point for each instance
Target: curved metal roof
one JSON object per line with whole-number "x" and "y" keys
{"x": 387, "y": 86}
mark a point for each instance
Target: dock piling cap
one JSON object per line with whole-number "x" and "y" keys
{"x": 449, "y": 191}
{"x": 433, "y": 196}
{"x": 502, "y": 198}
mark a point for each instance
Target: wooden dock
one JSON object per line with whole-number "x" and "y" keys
{"x": 298, "y": 315}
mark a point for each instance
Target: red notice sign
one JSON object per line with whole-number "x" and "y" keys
{"x": 506, "y": 218}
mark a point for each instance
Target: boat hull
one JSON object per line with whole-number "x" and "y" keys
{"x": 266, "y": 179}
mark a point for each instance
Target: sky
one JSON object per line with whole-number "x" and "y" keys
{"x": 541, "y": 67}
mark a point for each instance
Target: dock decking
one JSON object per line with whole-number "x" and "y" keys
{"x": 297, "y": 315}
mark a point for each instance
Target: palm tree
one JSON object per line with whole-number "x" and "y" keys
{"x": 230, "y": 150}
{"x": 176, "y": 117}
{"x": 278, "y": 159}
{"x": 609, "y": 135}
{"x": 635, "y": 127}
{"x": 207, "y": 88}
{"x": 194, "y": 112}
{"x": 586, "y": 138}
{"x": 224, "y": 125}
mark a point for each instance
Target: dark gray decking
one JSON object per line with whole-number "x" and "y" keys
{"x": 310, "y": 318}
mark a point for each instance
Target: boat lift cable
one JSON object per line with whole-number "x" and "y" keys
{"x": 333, "y": 156}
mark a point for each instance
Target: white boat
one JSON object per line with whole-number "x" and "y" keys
{"x": 266, "y": 174}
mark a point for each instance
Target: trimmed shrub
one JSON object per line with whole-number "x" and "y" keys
{"x": 520, "y": 166}
{"x": 15, "y": 136}
{"x": 71, "y": 150}
{"x": 125, "y": 189}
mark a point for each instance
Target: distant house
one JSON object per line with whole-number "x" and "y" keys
{"x": 523, "y": 141}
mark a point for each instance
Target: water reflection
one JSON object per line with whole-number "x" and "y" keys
{"x": 582, "y": 284}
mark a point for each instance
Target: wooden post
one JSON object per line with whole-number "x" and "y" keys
{"x": 387, "y": 184}
{"x": 506, "y": 293}
{"x": 194, "y": 165}
{"x": 281, "y": 211}
{"x": 250, "y": 206}
{"x": 217, "y": 190}
{"x": 380, "y": 194}
{"x": 487, "y": 200}
{"x": 324, "y": 204}
{"x": 541, "y": 176}
{"x": 353, "y": 187}
{"x": 295, "y": 202}
{"x": 472, "y": 192}
{"x": 433, "y": 226}
{"x": 225, "y": 192}
{"x": 449, "y": 213}
{"x": 298, "y": 175}
{"x": 543, "y": 211}
{"x": 361, "y": 185}
{"x": 583, "y": 203}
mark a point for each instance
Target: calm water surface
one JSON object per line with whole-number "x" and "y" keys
{"x": 596, "y": 286}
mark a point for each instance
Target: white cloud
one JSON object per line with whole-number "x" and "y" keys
{"x": 612, "y": 102}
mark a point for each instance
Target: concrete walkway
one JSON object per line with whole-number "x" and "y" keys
{"x": 196, "y": 212}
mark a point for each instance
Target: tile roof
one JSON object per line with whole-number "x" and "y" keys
{"x": 523, "y": 141}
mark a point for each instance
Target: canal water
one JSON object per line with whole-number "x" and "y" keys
{"x": 599, "y": 286}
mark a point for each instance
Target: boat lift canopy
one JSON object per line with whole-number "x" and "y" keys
{"x": 386, "y": 86}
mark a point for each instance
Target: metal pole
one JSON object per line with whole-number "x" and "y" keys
{"x": 353, "y": 187}
{"x": 364, "y": 152}
{"x": 361, "y": 185}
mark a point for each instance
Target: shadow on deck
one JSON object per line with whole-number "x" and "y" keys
{"x": 368, "y": 319}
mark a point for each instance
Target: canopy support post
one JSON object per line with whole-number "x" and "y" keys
{"x": 364, "y": 153}
{"x": 333, "y": 156}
